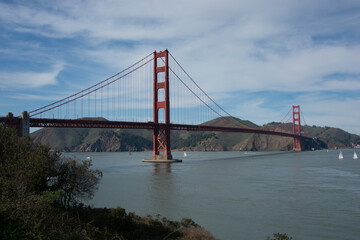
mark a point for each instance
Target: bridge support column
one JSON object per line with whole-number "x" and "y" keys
{"x": 161, "y": 133}
{"x": 296, "y": 128}
{"x": 25, "y": 124}
{"x": 21, "y": 124}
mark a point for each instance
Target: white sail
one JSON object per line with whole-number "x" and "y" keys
{"x": 185, "y": 155}
{"x": 355, "y": 155}
{"x": 341, "y": 157}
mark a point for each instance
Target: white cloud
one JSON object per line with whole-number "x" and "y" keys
{"x": 317, "y": 109}
{"x": 227, "y": 46}
{"x": 326, "y": 111}
{"x": 165, "y": 20}
{"x": 302, "y": 70}
{"x": 25, "y": 80}
{"x": 215, "y": 42}
{"x": 30, "y": 97}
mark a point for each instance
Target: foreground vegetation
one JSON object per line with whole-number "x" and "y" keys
{"x": 41, "y": 193}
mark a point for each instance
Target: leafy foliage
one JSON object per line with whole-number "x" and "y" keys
{"x": 28, "y": 168}
{"x": 40, "y": 193}
{"x": 36, "y": 184}
{"x": 280, "y": 236}
{"x": 75, "y": 179}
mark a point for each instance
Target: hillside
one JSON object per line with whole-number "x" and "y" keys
{"x": 334, "y": 137}
{"x": 107, "y": 140}
{"x": 328, "y": 136}
{"x": 114, "y": 140}
{"x": 258, "y": 142}
{"x": 212, "y": 141}
{"x": 93, "y": 140}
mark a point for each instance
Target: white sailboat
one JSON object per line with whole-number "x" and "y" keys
{"x": 355, "y": 155}
{"x": 185, "y": 155}
{"x": 341, "y": 157}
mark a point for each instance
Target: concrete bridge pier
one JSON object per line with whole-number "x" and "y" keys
{"x": 22, "y": 123}
{"x": 25, "y": 124}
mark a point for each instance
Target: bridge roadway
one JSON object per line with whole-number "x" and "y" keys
{"x": 82, "y": 123}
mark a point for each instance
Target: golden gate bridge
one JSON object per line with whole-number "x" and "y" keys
{"x": 155, "y": 93}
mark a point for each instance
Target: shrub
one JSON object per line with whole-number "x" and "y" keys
{"x": 34, "y": 182}
{"x": 40, "y": 193}
{"x": 75, "y": 179}
{"x": 280, "y": 236}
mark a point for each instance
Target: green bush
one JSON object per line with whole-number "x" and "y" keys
{"x": 40, "y": 194}
{"x": 280, "y": 236}
{"x": 28, "y": 168}
{"x": 36, "y": 184}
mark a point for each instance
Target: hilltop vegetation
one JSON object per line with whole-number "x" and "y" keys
{"x": 334, "y": 137}
{"x": 41, "y": 193}
{"x": 93, "y": 140}
{"x": 109, "y": 140}
{"x": 327, "y": 137}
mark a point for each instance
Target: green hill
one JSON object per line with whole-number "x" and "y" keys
{"x": 220, "y": 141}
{"x": 333, "y": 137}
{"x": 104, "y": 140}
{"x": 325, "y": 137}
{"x": 111, "y": 140}
{"x": 93, "y": 140}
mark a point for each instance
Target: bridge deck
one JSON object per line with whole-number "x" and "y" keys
{"x": 81, "y": 123}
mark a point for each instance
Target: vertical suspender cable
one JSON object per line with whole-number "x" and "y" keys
{"x": 101, "y": 102}
{"x": 107, "y": 102}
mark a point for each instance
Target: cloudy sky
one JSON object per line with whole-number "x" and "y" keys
{"x": 255, "y": 58}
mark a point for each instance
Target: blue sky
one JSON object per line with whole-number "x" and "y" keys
{"x": 256, "y": 58}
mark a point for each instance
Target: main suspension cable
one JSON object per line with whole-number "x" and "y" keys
{"x": 232, "y": 118}
{"x": 94, "y": 90}
{"x": 36, "y": 110}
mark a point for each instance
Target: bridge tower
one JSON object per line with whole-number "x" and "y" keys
{"x": 161, "y": 132}
{"x": 296, "y": 128}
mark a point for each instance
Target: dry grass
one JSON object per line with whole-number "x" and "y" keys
{"x": 196, "y": 233}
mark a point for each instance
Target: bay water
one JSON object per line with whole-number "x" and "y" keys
{"x": 239, "y": 195}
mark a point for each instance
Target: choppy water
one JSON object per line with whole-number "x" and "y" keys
{"x": 239, "y": 195}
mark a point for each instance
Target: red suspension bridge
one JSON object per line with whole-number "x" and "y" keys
{"x": 154, "y": 93}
